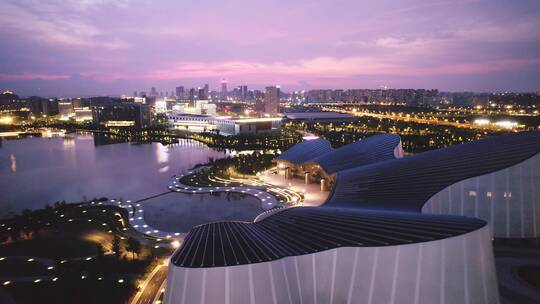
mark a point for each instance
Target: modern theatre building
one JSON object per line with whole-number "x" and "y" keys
{"x": 317, "y": 162}
{"x": 394, "y": 229}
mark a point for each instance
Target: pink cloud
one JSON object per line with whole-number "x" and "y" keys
{"x": 32, "y": 76}
{"x": 321, "y": 67}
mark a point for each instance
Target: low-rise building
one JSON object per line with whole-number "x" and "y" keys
{"x": 83, "y": 114}
{"x": 223, "y": 125}
{"x": 122, "y": 115}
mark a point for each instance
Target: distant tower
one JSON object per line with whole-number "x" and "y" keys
{"x": 223, "y": 89}
{"x": 243, "y": 92}
{"x": 271, "y": 100}
{"x": 180, "y": 92}
{"x": 153, "y": 92}
{"x": 192, "y": 94}
{"x": 135, "y": 94}
{"x": 201, "y": 94}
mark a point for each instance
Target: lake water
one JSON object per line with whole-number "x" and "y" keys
{"x": 178, "y": 212}
{"x": 36, "y": 171}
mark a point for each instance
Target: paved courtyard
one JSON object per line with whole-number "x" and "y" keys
{"x": 313, "y": 196}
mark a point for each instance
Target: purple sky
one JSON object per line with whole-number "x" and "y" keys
{"x": 90, "y": 47}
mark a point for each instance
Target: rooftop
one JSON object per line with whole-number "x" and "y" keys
{"x": 305, "y": 230}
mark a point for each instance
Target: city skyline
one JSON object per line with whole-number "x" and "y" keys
{"x": 74, "y": 48}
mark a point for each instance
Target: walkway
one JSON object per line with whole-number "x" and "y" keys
{"x": 262, "y": 191}
{"x": 313, "y": 196}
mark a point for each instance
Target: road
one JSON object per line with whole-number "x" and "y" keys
{"x": 413, "y": 118}
{"x": 152, "y": 285}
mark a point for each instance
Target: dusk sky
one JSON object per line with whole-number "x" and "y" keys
{"x": 93, "y": 47}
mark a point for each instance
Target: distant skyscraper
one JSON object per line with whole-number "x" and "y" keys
{"x": 243, "y": 92}
{"x": 180, "y": 92}
{"x": 206, "y": 91}
{"x": 271, "y": 100}
{"x": 192, "y": 94}
{"x": 153, "y": 92}
{"x": 202, "y": 95}
{"x": 135, "y": 94}
{"x": 224, "y": 89}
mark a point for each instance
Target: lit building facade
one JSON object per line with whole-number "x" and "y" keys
{"x": 327, "y": 255}
{"x": 223, "y": 125}
{"x": 65, "y": 109}
{"x": 316, "y": 161}
{"x": 122, "y": 115}
{"x": 83, "y": 114}
{"x": 391, "y": 231}
{"x": 271, "y": 100}
{"x": 508, "y": 198}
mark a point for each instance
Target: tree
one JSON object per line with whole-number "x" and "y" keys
{"x": 133, "y": 246}
{"x": 14, "y": 233}
{"x": 100, "y": 251}
{"x": 116, "y": 246}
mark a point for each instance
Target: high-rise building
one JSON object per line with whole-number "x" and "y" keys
{"x": 179, "y": 92}
{"x": 192, "y": 94}
{"x": 271, "y": 100}
{"x": 65, "y": 109}
{"x": 202, "y": 94}
{"x": 135, "y": 94}
{"x": 243, "y": 92}
{"x": 153, "y": 92}
{"x": 206, "y": 90}
{"x": 223, "y": 89}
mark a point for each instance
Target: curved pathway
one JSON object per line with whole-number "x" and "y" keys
{"x": 136, "y": 211}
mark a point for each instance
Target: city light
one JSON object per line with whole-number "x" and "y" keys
{"x": 384, "y": 190}
{"x": 506, "y": 124}
{"x": 482, "y": 122}
{"x": 6, "y": 120}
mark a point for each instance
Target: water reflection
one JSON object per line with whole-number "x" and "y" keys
{"x": 38, "y": 170}
{"x": 13, "y": 163}
{"x": 162, "y": 153}
{"x": 179, "y": 212}
{"x": 68, "y": 142}
{"x": 101, "y": 139}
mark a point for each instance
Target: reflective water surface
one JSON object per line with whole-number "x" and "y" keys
{"x": 36, "y": 171}
{"x": 178, "y": 212}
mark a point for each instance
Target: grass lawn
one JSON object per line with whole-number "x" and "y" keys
{"x": 72, "y": 291}
{"x": 50, "y": 245}
{"x": 21, "y": 267}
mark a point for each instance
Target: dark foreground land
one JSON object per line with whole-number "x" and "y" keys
{"x": 74, "y": 253}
